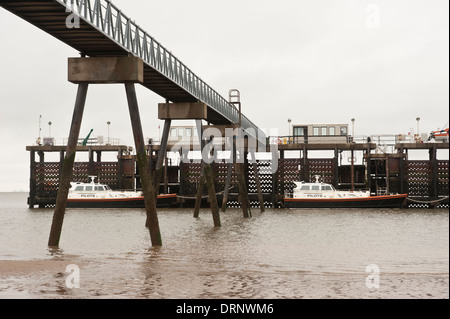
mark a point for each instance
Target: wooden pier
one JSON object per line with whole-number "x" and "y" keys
{"x": 425, "y": 181}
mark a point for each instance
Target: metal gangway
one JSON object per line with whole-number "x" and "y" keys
{"x": 97, "y": 28}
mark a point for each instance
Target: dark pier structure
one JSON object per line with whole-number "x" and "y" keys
{"x": 425, "y": 181}
{"x": 45, "y": 176}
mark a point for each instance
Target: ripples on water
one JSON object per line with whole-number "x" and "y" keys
{"x": 277, "y": 254}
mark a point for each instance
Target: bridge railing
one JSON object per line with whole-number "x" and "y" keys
{"x": 109, "y": 19}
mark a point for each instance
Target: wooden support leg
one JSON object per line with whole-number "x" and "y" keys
{"x": 161, "y": 156}
{"x": 209, "y": 180}
{"x": 227, "y": 187}
{"x": 67, "y": 170}
{"x": 229, "y": 175}
{"x": 243, "y": 192}
{"x": 258, "y": 184}
{"x": 198, "y": 199}
{"x": 152, "y": 222}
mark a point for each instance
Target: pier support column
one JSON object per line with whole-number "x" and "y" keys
{"x": 258, "y": 182}
{"x": 32, "y": 197}
{"x": 434, "y": 187}
{"x": 402, "y": 171}
{"x": 199, "y": 195}
{"x": 207, "y": 171}
{"x": 336, "y": 167}
{"x": 240, "y": 173}
{"x": 275, "y": 163}
{"x": 67, "y": 170}
{"x": 161, "y": 155}
{"x": 369, "y": 172}
{"x": 228, "y": 181}
{"x": 141, "y": 156}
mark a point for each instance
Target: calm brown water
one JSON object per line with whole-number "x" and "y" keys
{"x": 276, "y": 254}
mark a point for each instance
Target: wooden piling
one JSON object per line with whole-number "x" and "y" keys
{"x": 258, "y": 183}
{"x": 161, "y": 156}
{"x": 67, "y": 171}
{"x": 152, "y": 222}
{"x": 227, "y": 186}
{"x": 243, "y": 192}
{"x": 434, "y": 191}
{"x": 209, "y": 179}
{"x": 199, "y": 195}
{"x": 32, "y": 197}
{"x": 229, "y": 175}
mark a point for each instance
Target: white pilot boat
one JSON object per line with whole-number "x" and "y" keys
{"x": 97, "y": 195}
{"x": 323, "y": 195}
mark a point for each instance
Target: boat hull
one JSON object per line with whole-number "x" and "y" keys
{"x": 134, "y": 202}
{"x": 389, "y": 201}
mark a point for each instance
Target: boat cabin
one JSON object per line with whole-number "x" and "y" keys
{"x": 82, "y": 187}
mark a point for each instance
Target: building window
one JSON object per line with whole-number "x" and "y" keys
{"x": 343, "y": 130}
{"x": 332, "y": 130}
{"x": 173, "y": 132}
{"x": 316, "y": 131}
{"x": 299, "y": 131}
{"x": 323, "y": 131}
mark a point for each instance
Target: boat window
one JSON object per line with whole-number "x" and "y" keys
{"x": 343, "y": 130}
{"x": 107, "y": 188}
{"x": 88, "y": 188}
{"x": 315, "y": 131}
{"x": 79, "y": 188}
{"x": 326, "y": 188}
{"x": 305, "y": 188}
{"x": 99, "y": 188}
{"x": 315, "y": 187}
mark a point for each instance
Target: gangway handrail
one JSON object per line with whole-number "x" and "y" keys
{"x": 109, "y": 20}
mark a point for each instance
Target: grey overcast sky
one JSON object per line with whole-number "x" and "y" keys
{"x": 382, "y": 62}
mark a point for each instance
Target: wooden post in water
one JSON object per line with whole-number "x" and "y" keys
{"x": 434, "y": 189}
{"x": 32, "y": 197}
{"x": 275, "y": 163}
{"x": 142, "y": 161}
{"x": 402, "y": 170}
{"x": 199, "y": 195}
{"x": 240, "y": 173}
{"x": 161, "y": 155}
{"x": 206, "y": 169}
{"x": 368, "y": 169}
{"x": 258, "y": 183}
{"x": 227, "y": 185}
{"x": 67, "y": 170}
{"x": 336, "y": 168}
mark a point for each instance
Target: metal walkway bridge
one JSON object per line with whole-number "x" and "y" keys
{"x": 103, "y": 30}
